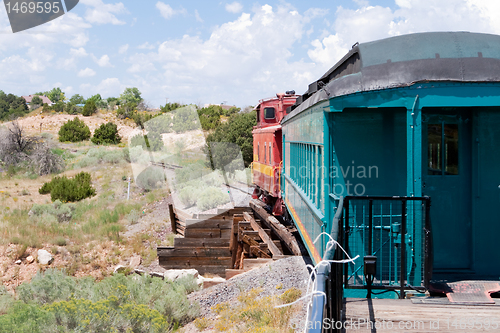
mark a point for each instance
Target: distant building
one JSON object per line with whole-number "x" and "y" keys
{"x": 44, "y": 98}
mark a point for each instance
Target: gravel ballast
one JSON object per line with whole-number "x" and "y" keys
{"x": 285, "y": 273}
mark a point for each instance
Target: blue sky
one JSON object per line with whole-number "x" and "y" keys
{"x": 200, "y": 52}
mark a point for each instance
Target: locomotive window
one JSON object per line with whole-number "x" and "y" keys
{"x": 258, "y": 115}
{"x": 269, "y": 113}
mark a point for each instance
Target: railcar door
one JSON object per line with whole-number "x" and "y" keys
{"x": 446, "y": 178}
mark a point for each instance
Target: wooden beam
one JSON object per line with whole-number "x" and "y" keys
{"x": 171, "y": 213}
{"x": 251, "y": 233}
{"x": 193, "y": 252}
{"x": 233, "y": 242}
{"x": 201, "y": 242}
{"x": 263, "y": 235}
{"x": 280, "y": 230}
{"x": 199, "y": 224}
{"x": 258, "y": 252}
{"x": 249, "y": 240}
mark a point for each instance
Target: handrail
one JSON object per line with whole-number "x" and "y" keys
{"x": 399, "y": 238}
{"x": 316, "y": 318}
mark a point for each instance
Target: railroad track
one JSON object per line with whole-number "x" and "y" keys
{"x": 166, "y": 165}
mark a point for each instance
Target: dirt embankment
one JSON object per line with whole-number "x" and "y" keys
{"x": 51, "y": 123}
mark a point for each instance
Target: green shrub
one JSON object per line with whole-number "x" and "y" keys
{"x": 50, "y": 286}
{"x": 54, "y": 302}
{"x": 87, "y": 161}
{"x": 89, "y": 108}
{"x": 74, "y": 131}
{"x": 188, "y": 195}
{"x": 151, "y": 141}
{"x": 60, "y": 241}
{"x": 150, "y": 178}
{"x": 106, "y": 134}
{"x": 133, "y": 216}
{"x": 66, "y": 190}
{"x": 190, "y": 172}
{"x": 101, "y": 155}
{"x": 211, "y": 197}
{"x": 62, "y": 212}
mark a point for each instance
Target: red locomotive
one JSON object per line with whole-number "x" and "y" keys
{"x": 267, "y": 149}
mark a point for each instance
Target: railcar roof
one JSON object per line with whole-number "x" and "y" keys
{"x": 404, "y": 60}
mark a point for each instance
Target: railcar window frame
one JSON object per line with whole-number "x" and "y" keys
{"x": 265, "y": 151}
{"x": 266, "y": 114}
{"x": 270, "y": 154}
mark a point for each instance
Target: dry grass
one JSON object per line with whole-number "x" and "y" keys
{"x": 92, "y": 242}
{"x": 257, "y": 314}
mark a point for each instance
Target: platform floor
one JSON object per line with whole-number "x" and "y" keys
{"x": 437, "y": 315}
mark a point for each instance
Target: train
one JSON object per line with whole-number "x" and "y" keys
{"x": 267, "y": 149}
{"x": 394, "y": 152}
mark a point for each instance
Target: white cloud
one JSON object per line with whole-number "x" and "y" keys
{"x": 87, "y": 72}
{"x": 107, "y": 87}
{"x": 168, "y": 12}
{"x": 123, "y": 49}
{"x": 102, "y": 13}
{"x": 248, "y": 58}
{"x": 146, "y": 46}
{"x": 197, "y": 16}
{"x": 80, "y": 52}
{"x": 369, "y": 23}
{"x": 234, "y": 7}
{"x": 102, "y": 61}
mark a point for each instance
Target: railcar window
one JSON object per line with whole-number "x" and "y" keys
{"x": 451, "y": 149}
{"x": 442, "y": 149}
{"x": 265, "y": 150}
{"x": 269, "y": 113}
{"x": 270, "y": 154}
{"x": 434, "y": 149}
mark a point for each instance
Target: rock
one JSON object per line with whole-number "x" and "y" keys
{"x": 209, "y": 282}
{"x": 30, "y": 259}
{"x": 156, "y": 274}
{"x": 174, "y": 274}
{"x": 135, "y": 261}
{"x": 44, "y": 257}
{"x": 18, "y": 262}
{"x": 120, "y": 269}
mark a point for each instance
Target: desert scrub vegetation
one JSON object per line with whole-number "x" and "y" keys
{"x": 97, "y": 156}
{"x": 106, "y": 134}
{"x": 69, "y": 189}
{"x": 19, "y": 151}
{"x": 55, "y": 302}
{"x": 151, "y": 141}
{"x": 74, "y": 131}
{"x": 200, "y": 186}
{"x": 57, "y": 211}
{"x": 151, "y": 178}
{"x": 257, "y": 314}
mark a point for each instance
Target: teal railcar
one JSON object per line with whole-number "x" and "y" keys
{"x": 408, "y": 116}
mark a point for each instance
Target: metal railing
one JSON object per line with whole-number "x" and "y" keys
{"x": 327, "y": 311}
{"x": 397, "y": 231}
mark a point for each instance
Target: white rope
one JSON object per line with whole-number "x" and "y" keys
{"x": 314, "y": 292}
